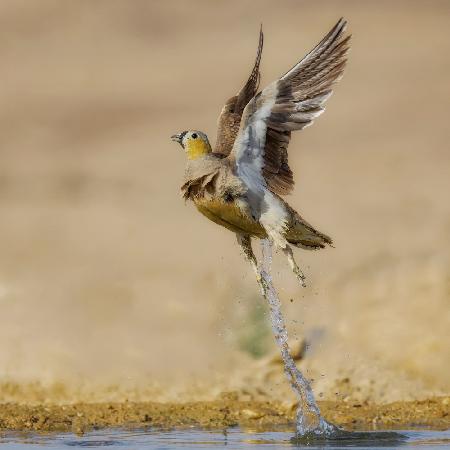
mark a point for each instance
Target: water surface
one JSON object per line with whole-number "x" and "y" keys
{"x": 233, "y": 439}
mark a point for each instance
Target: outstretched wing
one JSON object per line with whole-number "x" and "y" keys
{"x": 230, "y": 116}
{"x": 288, "y": 104}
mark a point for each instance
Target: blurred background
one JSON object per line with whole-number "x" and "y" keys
{"x": 112, "y": 288}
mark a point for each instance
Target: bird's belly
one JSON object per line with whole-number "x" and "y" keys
{"x": 229, "y": 215}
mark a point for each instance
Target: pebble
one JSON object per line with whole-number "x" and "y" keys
{"x": 252, "y": 414}
{"x": 297, "y": 348}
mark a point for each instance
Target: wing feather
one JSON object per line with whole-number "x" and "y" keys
{"x": 230, "y": 116}
{"x": 288, "y": 104}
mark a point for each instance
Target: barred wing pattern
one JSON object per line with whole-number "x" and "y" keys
{"x": 288, "y": 104}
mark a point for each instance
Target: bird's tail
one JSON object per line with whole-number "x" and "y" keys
{"x": 301, "y": 234}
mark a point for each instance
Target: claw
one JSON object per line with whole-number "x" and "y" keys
{"x": 261, "y": 282}
{"x": 301, "y": 277}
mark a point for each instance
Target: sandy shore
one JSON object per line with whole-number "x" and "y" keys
{"x": 432, "y": 413}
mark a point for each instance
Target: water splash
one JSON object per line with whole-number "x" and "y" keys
{"x": 309, "y": 419}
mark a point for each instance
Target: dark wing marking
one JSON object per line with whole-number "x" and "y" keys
{"x": 230, "y": 116}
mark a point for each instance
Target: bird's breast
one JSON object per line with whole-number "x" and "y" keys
{"x": 229, "y": 213}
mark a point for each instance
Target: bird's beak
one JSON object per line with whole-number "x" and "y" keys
{"x": 176, "y": 138}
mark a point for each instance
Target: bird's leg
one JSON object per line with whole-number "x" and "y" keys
{"x": 245, "y": 243}
{"x": 280, "y": 242}
{"x": 287, "y": 250}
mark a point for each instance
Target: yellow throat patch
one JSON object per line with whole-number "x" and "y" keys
{"x": 196, "y": 148}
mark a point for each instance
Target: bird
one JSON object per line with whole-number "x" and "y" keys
{"x": 241, "y": 183}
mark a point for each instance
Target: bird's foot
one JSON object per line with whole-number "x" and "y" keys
{"x": 301, "y": 277}
{"x": 262, "y": 284}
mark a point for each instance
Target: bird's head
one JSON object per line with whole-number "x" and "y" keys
{"x": 195, "y": 143}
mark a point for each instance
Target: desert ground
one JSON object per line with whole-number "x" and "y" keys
{"x": 113, "y": 289}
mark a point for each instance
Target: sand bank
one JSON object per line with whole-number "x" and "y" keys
{"x": 432, "y": 413}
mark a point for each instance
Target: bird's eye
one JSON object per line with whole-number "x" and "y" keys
{"x": 194, "y": 136}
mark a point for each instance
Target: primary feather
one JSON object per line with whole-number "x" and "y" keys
{"x": 288, "y": 104}
{"x": 230, "y": 116}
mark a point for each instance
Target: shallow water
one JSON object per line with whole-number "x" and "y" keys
{"x": 233, "y": 439}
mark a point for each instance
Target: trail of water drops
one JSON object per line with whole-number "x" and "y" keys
{"x": 309, "y": 419}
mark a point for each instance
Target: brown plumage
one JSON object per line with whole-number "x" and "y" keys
{"x": 240, "y": 184}
{"x": 302, "y": 91}
{"x": 230, "y": 117}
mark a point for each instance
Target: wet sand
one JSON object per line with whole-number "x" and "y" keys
{"x": 82, "y": 417}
